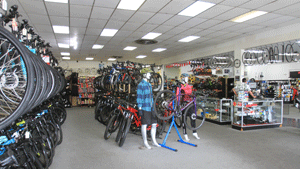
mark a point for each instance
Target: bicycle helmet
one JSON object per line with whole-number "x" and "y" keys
{"x": 146, "y": 70}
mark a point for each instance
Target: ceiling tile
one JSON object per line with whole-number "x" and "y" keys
{"x": 214, "y": 11}
{"x": 275, "y": 5}
{"x": 176, "y": 30}
{"x": 137, "y": 35}
{"x": 39, "y": 19}
{"x": 266, "y": 17}
{"x": 147, "y": 28}
{"x": 62, "y": 37}
{"x": 34, "y": 7}
{"x": 77, "y": 31}
{"x": 164, "y": 37}
{"x": 80, "y": 11}
{"x": 250, "y": 28}
{"x": 79, "y": 22}
{"x": 232, "y": 14}
{"x": 205, "y": 32}
{"x": 107, "y": 4}
{"x": 277, "y": 21}
{"x": 191, "y": 31}
{"x": 223, "y": 25}
{"x": 208, "y": 24}
{"x": 192, "y": 22}
{"x": 122, "y": 15}
{"x": 163, "y": 28}
{"x": 216, "y": 34}
{"x": 57, "y": 9}
{"x": 237, "y": 27}
{"x": 153, "y": 5}
{"x": 122, "y": 33}
{"x": 229, "y": 35}
{"x": 56, "y": 20}
{"x": 97, "y": 23}
{"x": 91, "y": 31}
{"x": 101, "y": 13}
{"x": 114, "y": 24}
{"x": 176, "y": 20}
{"x": 43, "y": 28}
{"x": 254, "y": 4}
{"x": 234, "y": 2}
{"x": 141, "y": 17}
{"x": 289, "y": 9}
{"x": 90, "y": 38}
{"x": 81, "y": 2}
{"x": 131, "y": 26}
{"x": 159, "y": 18}
{"x": 294, "y": 21}
{"x": 174, "y": 7}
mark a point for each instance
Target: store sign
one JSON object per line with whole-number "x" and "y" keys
{"x": 294, "y": 74}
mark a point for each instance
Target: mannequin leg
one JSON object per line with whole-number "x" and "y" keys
{"x": 195, "y": 134}
{"x": 184, "y": 131}
{"x": 153, "y": 135}
{"x": 144, "y": 135}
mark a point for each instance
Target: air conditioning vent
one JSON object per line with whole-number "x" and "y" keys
{"x": 145, "y": 41}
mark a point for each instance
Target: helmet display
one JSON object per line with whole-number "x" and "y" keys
{"x": 146, "y": 70}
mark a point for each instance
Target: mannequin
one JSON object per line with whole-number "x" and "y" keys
{"x": 185, "y": 85}
{"x": 144, "y": 92}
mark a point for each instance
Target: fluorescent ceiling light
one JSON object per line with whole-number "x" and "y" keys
{"x": 130, "y": 4}
{"x": 141, "y": 56}
{"x": 159, "y": 49}
{"x": 58, "y": 1}
{"x": 63, "y": 45}
{"x": 61, "y": 29}
{"x": 96, "y": 46}
{"x": 109, "y": 32}
{"x": 247, "y": 16}
{"x": 189, "y": 38}
{"x": 130, "y": 48}
{"x": 111, "y": 59}
{"x": 151, "y": 35}
{"x": 196, "y": 8}
{"x": 89, "y": 58}
{"x": 66, "y": 58}
{"x": 65, "y": 53}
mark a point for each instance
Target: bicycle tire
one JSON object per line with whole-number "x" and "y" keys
{"x": 112, "y": 126}
{"x": 156, "y": 81}
{"x": 19, "y": 107}
{"x": 121, "y": 128}
{"x": 161, "y": 127}
{"x": 178, "y": 122}
{"x": 193, "y": 120}
{"x": 126, "y": 130}
{"x": 163, "y": 104}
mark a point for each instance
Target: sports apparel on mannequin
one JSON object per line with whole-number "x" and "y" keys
{"x": 187, "y": 91}
{"x": 145, "y": 104}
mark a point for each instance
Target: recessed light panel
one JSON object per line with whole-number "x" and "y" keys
{"x": 96, "y": 46}
{"x": 66, "y": 58}
{"x": 151, "y": 35}
{"x": 189, "y": 38}
{"x": 65, "y": 53}
{"x": 58, "y": 1}
{"x": 63, "y": 45}
{"x": 89, "y": 58}
{"x": 111, "y": 59}
{"x": 141, "y": 56}
{"x": 196, "y": 8}
{"x": 159, "y": 49}
{"x": 61, "y": 29}
{"x": 109, "y": 32}
{"x": 130, "y": 4}
{"x": 248, "y": 16}
{"x": 130, "y": 48}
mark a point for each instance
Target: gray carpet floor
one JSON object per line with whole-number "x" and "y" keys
{"x": 219, "y": 147}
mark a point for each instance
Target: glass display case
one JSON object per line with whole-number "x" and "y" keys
{"x": 218, "y": 110}
{"x": 257, "y": 114}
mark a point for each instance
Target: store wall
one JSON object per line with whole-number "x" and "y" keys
{"x": 172, "y": 72}
{"x": 187, "y": 69}
{"x": 272, "y": 71}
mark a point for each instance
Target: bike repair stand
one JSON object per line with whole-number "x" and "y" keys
{"x": 180, "y": 138}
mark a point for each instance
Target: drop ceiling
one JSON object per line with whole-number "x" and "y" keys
{"x": 87, "y": 19}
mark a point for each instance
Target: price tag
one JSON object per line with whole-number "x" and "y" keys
{"x": 27, "y": 135}
{"x": 4, "y": 5}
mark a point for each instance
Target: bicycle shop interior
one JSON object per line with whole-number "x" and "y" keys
{"x": 224, "y": 75}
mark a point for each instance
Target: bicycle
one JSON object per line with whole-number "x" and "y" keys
{"x": 166, "y": 105}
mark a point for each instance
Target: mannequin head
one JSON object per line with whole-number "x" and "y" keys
{"x": 147, "y": 75}
{"x": 184, "y": 78}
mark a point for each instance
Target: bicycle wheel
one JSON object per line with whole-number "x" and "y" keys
{"x": 121, "y": 128}
{"x": 125, "y": 132}
{"x": 289, "y": 51}
{"x": 156, "y": 82}
{"x": 161, "y": 127}
{"x": 194, "y": 119}
{"x": 178, "y": 122}
{"x": 165, "y": 104}
{"x": 16, "y": 85}
{"x": 112, "y": 126}
{"x": 98, "y": 110}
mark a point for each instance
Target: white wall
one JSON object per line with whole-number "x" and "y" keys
{"x": 272, "y": 71}
{"x": 172, "y": 72}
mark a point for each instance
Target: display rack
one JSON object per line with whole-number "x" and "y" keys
{"x": 218, "y": 110}
{"x": 86, "y": 92}
{"x": 257, "y": 114}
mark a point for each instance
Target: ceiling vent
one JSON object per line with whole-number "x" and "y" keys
{"x": 145, "y": 41}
